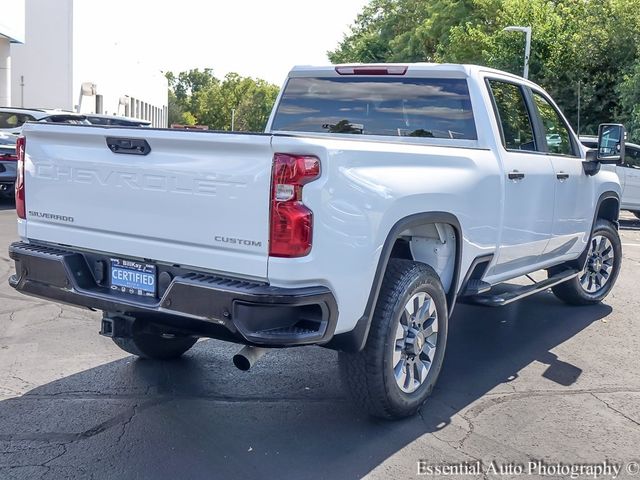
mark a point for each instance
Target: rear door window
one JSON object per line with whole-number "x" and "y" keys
{"x": 389, "y": 106}
{"x": 513, "y": 116}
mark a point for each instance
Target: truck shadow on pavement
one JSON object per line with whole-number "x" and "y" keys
{"x": 286, "y": 418}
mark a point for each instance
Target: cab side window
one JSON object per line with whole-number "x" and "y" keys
{"x": 513, "y": 116}
{"x": 555, "y": 129}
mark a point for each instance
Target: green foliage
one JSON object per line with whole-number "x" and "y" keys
{"x": 591, "y": 43}
{"x": 175, "y": 108}
{"x": 198, "y": 98}
{"x": 630, "y": 102}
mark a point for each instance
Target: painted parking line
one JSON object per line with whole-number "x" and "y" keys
{"x": 631, "y": 244}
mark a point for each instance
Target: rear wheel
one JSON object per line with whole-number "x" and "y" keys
{"x": 155, "y": 345}
{"x": 599, "y": 276}
{"x": 397, "y": 369}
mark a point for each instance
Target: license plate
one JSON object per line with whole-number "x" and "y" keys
{"x": 134, "y": 278}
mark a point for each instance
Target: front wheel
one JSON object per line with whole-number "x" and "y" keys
{"x": 599, "y": 276}
{"x": 397, "y": 369}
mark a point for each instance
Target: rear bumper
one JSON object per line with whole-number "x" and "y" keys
{"x": 197, "y": 303}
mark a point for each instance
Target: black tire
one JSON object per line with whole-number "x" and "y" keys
{"x": 573, "y": 291}
{"x": 154, "y": 345}
{"x": 369, "y": 374}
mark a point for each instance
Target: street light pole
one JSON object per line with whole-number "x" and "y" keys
{"x": 579, "y": 82}
{"x": 527, "y": 46}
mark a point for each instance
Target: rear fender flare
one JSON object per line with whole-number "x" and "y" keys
{"x": 355, "y": 340}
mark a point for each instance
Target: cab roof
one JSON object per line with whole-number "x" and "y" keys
{"x": 452, "y": 70}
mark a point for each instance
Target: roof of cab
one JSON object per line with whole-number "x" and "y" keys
{"x": 414, "y": 69}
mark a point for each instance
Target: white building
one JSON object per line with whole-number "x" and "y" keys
{"x": 11, "y": 31}
{"x": 66, "y": 46}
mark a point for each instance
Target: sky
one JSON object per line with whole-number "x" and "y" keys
{"x": 258, "y": 38}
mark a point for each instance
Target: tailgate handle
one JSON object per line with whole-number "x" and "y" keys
{"x": 129, "y": 146}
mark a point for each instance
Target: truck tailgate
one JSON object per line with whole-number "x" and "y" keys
{"x": 197, "y": 199}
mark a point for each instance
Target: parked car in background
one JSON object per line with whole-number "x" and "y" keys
{"x": 629, "y": 173}
{"x": 553, "y": 139}
{"x": 12, "y": 118}
{"x": 96, "y": 119}
{"x": 8, "y": 162}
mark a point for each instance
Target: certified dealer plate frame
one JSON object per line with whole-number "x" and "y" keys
{"x": 134, "y": 278}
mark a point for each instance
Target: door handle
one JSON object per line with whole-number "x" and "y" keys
{"x": 515, "y": 175}
{"x": 130, "y": 146}
{"x": 562, "y": 176}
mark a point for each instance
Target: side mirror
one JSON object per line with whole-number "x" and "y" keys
{"x": 611, "y": 138}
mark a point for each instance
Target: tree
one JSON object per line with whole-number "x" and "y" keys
{"x": 591, "y": 45}
{"x": 577, "y": 44}
{"x": 407, "y": 30}
{"x": 370, "y": 35}
{"x": 176, "y": 109}
{"x": 630, "y": 102}
{"x": 253, "y": 111}
{"x": 198, "y": 97}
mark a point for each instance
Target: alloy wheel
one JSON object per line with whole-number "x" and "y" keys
{"x": 599, "y": 265}
{"x": 415, "y": 342}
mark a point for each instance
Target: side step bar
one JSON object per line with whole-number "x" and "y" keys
{"x": 476, "y": 287}
{"x": 505, "y": 298}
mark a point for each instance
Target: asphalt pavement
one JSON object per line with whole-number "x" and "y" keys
{"x": 536, "y": 381}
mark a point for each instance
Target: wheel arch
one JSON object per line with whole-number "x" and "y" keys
{"x": 607, "y": 208}
{"x": 355, "y": 339}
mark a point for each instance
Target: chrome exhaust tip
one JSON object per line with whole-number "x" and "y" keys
{"x": 248, "y": 356}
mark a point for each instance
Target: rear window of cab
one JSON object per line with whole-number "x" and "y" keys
{"x": 387, "y": 106}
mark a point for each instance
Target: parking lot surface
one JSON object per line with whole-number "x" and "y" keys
{"x": 534, "y": 381}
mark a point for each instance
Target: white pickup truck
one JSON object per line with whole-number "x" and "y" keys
{"x": 379, "y": 196}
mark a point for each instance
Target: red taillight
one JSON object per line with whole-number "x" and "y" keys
{"x": 291, "y": 228}
{"x": 20, "y": 206}
{"x": 372, "y": 70}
